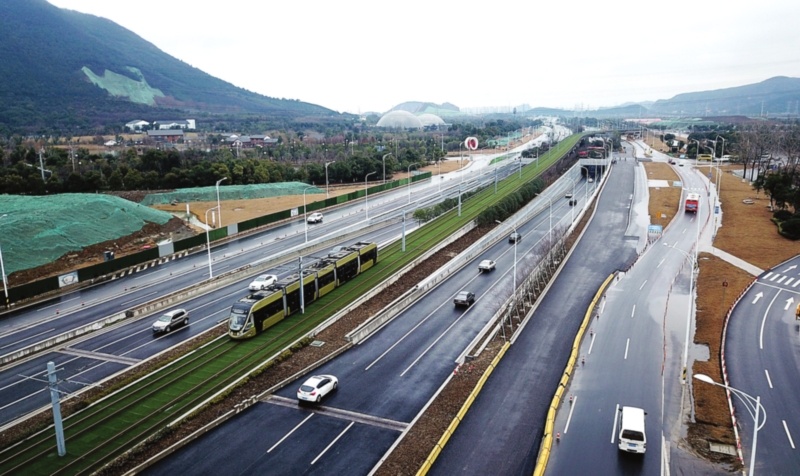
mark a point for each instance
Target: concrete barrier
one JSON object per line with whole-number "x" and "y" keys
{"x": 182, "y": 295}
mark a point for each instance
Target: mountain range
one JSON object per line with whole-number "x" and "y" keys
{"x": 63, "y": 70}
{"x": 69, "y": 72}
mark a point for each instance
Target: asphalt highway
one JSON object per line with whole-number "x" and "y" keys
{"x": 87, "y": 361}
{"x": 384, "y": 382}
{"x": 762, "y": 353}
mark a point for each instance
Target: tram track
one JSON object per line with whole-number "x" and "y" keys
{"x": 111, "y": 426}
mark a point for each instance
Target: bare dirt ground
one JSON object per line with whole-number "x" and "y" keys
{"x": 235, "y": 211}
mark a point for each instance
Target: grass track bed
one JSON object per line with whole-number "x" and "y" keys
{"x": 106, "y": 429}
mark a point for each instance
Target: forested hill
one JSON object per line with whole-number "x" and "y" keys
{"x": 67, "y": 71}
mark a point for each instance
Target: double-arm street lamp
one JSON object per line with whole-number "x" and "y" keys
{"x": 409, "y": 181}
{"x": 383, "y": 159}
{"x": 3, "y": 269}
{"x": 693, "y": 259}
{"x": 516, "y": 239}
{"x": 305, "y": 212}
{"x": 219, "y": 209}
{"x": 366, "y": 193}
{"x": 327, "y": 186}
{"x": 208, "y": 242}
{"x": 754, "y": 408}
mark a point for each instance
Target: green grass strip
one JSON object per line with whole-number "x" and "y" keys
{"x": 105, "y": 430}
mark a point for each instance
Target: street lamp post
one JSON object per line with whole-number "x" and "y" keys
{"x": 409, "y": 181}
{"x": 366, "y": 193}
{"x": 305, "y": 212}
{"x": 754, "y": 408}
{"x": 516, "y": 239}
{"x": 719, "y": 182}
{"x": 327, "y": 186}
{"x": 208, "y": 244}
{"x": 219, "y": 209}
{"x": 3, "y": 269}
{"x": 697, "y": 152}
{"x": 439, "y": 173}
{"x": 383, "y": 159}
{"x": 689, "y": 311}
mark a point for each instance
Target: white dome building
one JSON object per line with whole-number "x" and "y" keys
{"x": 429, "y": 119}
{"x": 400, "y": 120}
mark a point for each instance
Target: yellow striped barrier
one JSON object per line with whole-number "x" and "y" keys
{"x": 426, "y": 466}
{"x": 549, "y": 426}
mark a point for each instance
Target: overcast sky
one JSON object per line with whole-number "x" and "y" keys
{"x": 360, "y": 56}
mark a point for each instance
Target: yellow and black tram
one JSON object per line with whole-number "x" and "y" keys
{"x": 261, "y": 310}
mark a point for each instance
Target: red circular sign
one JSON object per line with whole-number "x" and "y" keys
{"x": 471, "y": 143}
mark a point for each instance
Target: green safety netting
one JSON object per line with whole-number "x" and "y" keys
{"x": 230, "y": 192}
{"x": 38, "y": 230}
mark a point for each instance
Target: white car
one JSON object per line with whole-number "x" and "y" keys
{"x": 263, "y": 282}
{"x": 317, "y": 387}
{"x": 486, "y": 265}
{"x": 170, "y": 320}
{"x": 315, "y": 218}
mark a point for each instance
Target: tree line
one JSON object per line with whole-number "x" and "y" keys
{"x": 51, "y": 166}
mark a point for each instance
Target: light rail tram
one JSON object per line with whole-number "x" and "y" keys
{"x": 262, "y": 309}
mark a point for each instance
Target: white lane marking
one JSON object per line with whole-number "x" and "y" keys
{"x": 796, "y": 283}
{"x": 290, "y": 432}
{"x": 788, "y": 435}
{"x": 774, "y": 277}
{"x": 769, "y": 380}
{"x": 661, "y": 262}
{"x": 766, "y": 276}
{"x": 43, "y": 308}
{"x": 569, "y": 417}
{"x": 125, "y": 303}
{"x": 627, "y": 344}
{"x": 614, "y": 428}
{"x": 782, "y": 279}
{"x": 591, "y": 344}
{"x": 764, "y": 321}
{"x": 35, "y": 336}
{"x": 427, "y": 349}
{"x": 333, "y": 442}
{"x": 410, "y": 331}
{"x": 790, "y": 281}
{"x": 633, "y": 311}
{"x": 640, "y": 287}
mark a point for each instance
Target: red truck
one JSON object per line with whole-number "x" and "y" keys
{"x": 692, "y": 202}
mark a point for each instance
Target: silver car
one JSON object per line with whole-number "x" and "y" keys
{"x": 170, "y": 320}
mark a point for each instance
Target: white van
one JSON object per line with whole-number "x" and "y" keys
{"x": 632, "y": 436}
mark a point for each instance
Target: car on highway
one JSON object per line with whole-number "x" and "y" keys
{"x": 514, "y": 237}
{"x": 486, "y": 265}
{"x": 315, "y": 218}
{"x": 315, "y": 388}
{"x": 170, "y": 320}
{"x": 263, "y": 282}
{"x": 464, "y": 298}
{"x": 568, "y": 195}
{"x": 591, "y": 180}
{"x": 632, "y": 436}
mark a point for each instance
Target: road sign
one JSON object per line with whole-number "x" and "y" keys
{"x": 471, "y": 143}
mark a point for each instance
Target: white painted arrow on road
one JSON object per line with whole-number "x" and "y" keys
{"x": 790, "y": 268}
{"x": 758, "y": 296}
{"x": 789, "y": 302}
